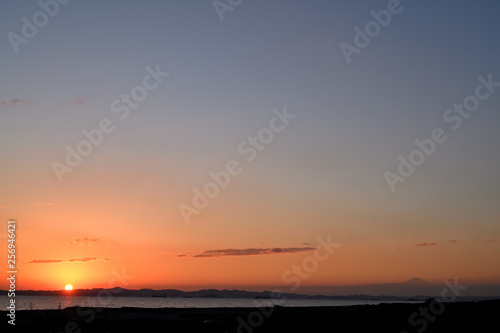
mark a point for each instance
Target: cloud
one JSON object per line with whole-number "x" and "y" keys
{"x": 453, "y": 241}
{"x": 84, "y": 241}
{"x": 45, "y": 261}
{"x": 66, "y": 261}
{"x": 247, "y": 252}
{"x": 426, "y": 244}
{"x": 15, "y": 101}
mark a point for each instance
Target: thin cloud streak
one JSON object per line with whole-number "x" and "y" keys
{"x": 64, "y": 261}
{"x": 84, "y": 241}
{"x": 426, "y": 244}
{"x": 15, "y": 101}
{"x": 247, "y": 252}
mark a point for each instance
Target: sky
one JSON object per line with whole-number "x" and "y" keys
{"x": 248, "y": 144}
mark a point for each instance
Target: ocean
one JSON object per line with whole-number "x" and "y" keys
{"x": 56, "y": 302}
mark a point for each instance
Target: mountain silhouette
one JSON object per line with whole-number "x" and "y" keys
{"x": 416, "y": 281}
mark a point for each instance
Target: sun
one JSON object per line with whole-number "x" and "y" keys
{"x": 68, "y": 287}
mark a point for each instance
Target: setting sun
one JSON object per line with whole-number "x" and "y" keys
{"x": 68, "y": 287}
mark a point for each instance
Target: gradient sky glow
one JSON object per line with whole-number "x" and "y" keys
{"x": 322, "y": 175}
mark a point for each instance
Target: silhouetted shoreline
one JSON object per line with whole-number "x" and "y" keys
{"x": 434, "y": 316}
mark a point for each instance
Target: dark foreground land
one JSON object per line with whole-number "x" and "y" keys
{"x": 423, "y": 317}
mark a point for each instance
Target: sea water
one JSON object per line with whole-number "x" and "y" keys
{"x": 56, "y": 302}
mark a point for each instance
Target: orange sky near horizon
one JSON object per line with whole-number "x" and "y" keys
{"x": 147, "y": 251}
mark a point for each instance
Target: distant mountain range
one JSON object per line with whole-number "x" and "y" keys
{"x": 413, "y": 289}
{"x": 205, "y": 293}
